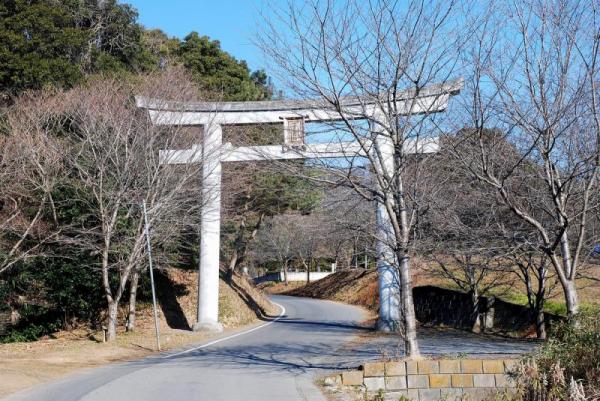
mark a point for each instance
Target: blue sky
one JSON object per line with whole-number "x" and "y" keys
{"x": 232, "y": 22}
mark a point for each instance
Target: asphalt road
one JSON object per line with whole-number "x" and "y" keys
{"x": 277, "y": 361}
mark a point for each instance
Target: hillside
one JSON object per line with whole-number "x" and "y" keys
{"x": 356, "y": 287}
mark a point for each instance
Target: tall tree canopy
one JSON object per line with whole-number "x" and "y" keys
{"x": 50, "y": 42}
{"x": 40, "y": 43}
{"x": 220, "y": 73}
{"x": 60, "y": 43}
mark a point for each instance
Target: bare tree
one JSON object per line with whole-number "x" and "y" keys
{"x": 276, "y": 241}
{"x": 372, "y": 52}
{"x": 31, "y": 163}
{"x": 255, "y": 191}
{"x": 462, "y": 234}
{"x": 113, "y": 157}
{"x": 534, "y": 76}
{"x": 308, "y": 240}
{"x": 348, "y": 227}
{"x": 532, "y": 269}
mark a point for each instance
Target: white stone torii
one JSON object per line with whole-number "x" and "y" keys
{"x": 213, "y": 115}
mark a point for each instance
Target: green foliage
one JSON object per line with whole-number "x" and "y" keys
{"x": 276, "y": 193}
{"x": 117, "y": 39}
{"x": 380, "y": 395}
{"x": 51, "y": 294}
{"x": 40, "y": 44}
{"x": 160, "y": 46}
{"x": 55, "y": 292}
{"x": 553, "y": 306}
{"x": 49, "y": 42}
{"x": 72, "y": 287}
{"x": 60, "y": 43}
{"x": 220, "y": 73}
{"x": 30, "y": 332}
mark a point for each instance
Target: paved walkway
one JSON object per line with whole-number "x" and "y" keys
{"x": 443, "y": 342}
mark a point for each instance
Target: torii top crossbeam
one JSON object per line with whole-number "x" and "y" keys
{"x": 293, "y": 114}
{"x": 432, "y": 98}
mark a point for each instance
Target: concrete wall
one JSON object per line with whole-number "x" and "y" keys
{"x": 301, "y": 276}
{"x": 432, "y": 380}
{"x": 291, "y": 276}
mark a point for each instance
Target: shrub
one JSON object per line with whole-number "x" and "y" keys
{"x": 576, "y": 347}
{"x": 566, "y": 368}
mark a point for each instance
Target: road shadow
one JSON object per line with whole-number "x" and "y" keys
{"x": 310, "y": 326}
{"x": 316, "y": 345}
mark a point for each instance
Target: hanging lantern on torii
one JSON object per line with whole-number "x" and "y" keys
{"x": 294, "y": 132}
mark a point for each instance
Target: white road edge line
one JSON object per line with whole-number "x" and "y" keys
{"x": 231, "y": 336}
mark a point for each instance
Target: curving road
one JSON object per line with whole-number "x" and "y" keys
{"x": 275, "y": 362}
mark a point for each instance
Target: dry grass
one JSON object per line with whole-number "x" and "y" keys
{"x": 28, "y": 364}
{"x": 271, "y": 287}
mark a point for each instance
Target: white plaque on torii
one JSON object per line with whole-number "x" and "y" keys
{"x": 293, "y": 114}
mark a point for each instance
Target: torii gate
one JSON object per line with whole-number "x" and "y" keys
{"x": 293, "y": 113}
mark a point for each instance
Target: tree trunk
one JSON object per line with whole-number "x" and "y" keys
{"x": 113, "y": 304}
{"x": 232, "y": 264}
{"x": 476, "y": 328}
{"x": 540, "y": 324}
{"x": 241, "y": 245}
{"x": 568, "y": 281}
{"x": 540, "y": 300}
{"x": 111, "y": 324}
{"x": 285, "y": 272}
{"x": 307, "y": 267}
{"x": 570, "y": 291}
{"x": 133, "y": 287}
{"x": 411, "y": 346}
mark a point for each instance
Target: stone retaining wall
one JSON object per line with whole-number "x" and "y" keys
{"x": 440, "y": 306}
{"x": 432, "y": 380}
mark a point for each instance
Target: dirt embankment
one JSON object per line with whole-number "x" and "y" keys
{"x": 24, "y": 365}
{"x": 356, "y": 287}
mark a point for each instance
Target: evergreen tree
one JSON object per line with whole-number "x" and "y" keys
{"x": 218, "y": 72}
{"x": 40, "y": 43}
{"x": 58, "y": 43}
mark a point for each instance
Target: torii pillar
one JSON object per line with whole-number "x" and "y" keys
{"x": 210, "y": 231}
{"x": 213, "y": 115}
